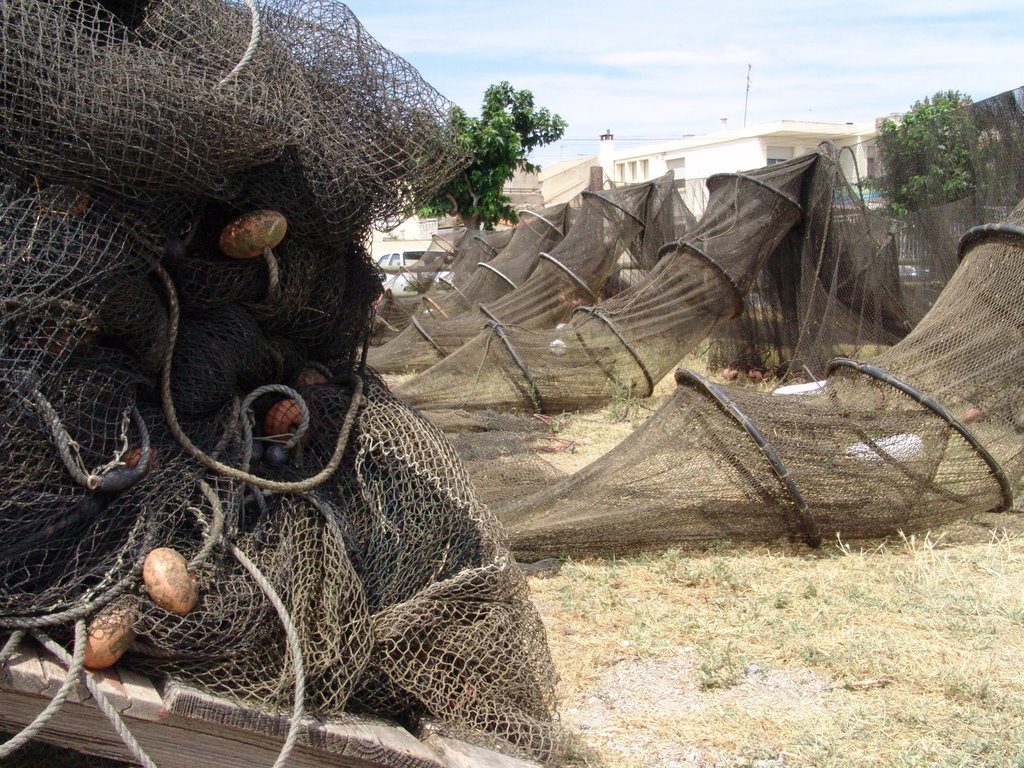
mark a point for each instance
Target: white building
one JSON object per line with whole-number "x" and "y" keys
{"x": 693, "y": 158}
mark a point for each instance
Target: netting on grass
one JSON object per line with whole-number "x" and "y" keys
{"x": 186, "y": 299}
{"x": 478, "y": 248}
{"x": 451, "y": 291}
{"x": 930, "y": 431}
{"x": 450, "y": 317}
{"x": 558, "y": 358}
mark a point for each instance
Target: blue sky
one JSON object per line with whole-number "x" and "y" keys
{"x": 653, "y": 69}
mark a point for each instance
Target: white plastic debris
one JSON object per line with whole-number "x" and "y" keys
{"x": 902, "y": 447}
{"x": 796, "y": 389}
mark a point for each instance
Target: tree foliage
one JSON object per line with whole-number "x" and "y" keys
{"x": 926, "y": 157}
{"x": 498, "y": 144}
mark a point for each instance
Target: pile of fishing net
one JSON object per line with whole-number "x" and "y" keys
{"x": 199, "y": 477}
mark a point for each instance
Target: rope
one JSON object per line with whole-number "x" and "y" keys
{"x": 173, "y": 313}
{"x": 100, "y": 698}
{"x": 292, "y": 637}
{"x": 11, "y": 645}
{"x": 71, "y": 614}
{"x": 74, "y": 663}
{"x": 273, "y": 276}
{"x": 115, "y": 476}
{"x": 281, "y": 389}
{"x": 215, "y": 534}
{"x": 254, "y": 41}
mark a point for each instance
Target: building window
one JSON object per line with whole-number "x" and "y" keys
{"x": 645, "y": 170}
{"x": 779, "y": 155}
{"x": 620, "y": 171}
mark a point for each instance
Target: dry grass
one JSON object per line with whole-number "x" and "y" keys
{"x": 905, "y": 654}
{"x": 890, "y": 654}
{"x": 894, "y": 654}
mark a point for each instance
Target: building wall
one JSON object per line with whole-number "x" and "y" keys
{"x": 561, "y": 182}
{"x": 694, "y": 158}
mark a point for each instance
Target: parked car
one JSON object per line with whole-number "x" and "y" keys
{"x": 405, "y": 275}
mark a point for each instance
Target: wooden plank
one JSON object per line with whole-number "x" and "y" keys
{"x": 459, "y": 754}
{"x": 23, "y": 672}
{"x": 55, "y": 675}
{"x": 374, "y": 741}
{"x": 110, "y": 687}
{"x": 172, "y": 742}
{"x": 145, "y": 702}
{"x": 182, "y": 728}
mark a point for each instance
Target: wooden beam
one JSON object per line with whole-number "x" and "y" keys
{"x": 179, "y": 727}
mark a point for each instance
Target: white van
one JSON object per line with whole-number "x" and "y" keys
{"x": 403, "y": 277}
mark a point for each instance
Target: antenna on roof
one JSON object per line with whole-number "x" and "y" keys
{"x": 746, "y": 99}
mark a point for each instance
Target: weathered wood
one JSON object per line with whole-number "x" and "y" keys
{"x": 23, "y": 671}
{"x": 145, "y": 702}
{"x": 459, "y": 754}
{"x": 179, "y": 727}
{"x": 171, "y": 743}
{"x": 365, "y": 740}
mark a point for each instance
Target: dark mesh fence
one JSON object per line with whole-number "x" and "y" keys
{"x": 185, "y": 195}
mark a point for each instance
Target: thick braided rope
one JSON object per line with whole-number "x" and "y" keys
{"x": 281, "y": 389}
{"x": 215, "y": 532}
{"x": 292, "y": 638}
{"x": 250, "y": 51}
{"x": 75, "y": 613}
{"x": 67, "y": 448}
{"x": 11, "y": 645}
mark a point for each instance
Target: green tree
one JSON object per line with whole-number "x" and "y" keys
{"x": 926, "y": 157}
{"x": 498, "y": 144}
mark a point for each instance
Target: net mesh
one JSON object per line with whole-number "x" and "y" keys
{"x": 629, "y": 341}
{"x": 928, "y": 433}
{"x": 862, "y": 279}
{"x": 451, "y": 318}
{"x": 160, "y": 395}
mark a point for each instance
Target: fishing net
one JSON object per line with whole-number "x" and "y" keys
{"x": 870, "y": 277}
{"x": 289, "y": 103}
{"x": 567, "y": 353}
{"x": 491, "y": 369}
{"x": 456, "y": 313}
{"x": 927, "y": 433}
{"x": 184, "y": 199}
{"x": 475, "y": 248}
{"x": 445, "y": 295}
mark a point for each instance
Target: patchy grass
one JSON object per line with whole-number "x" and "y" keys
{"x": 903, "y": 654}
{"x": 895, "y": 654}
